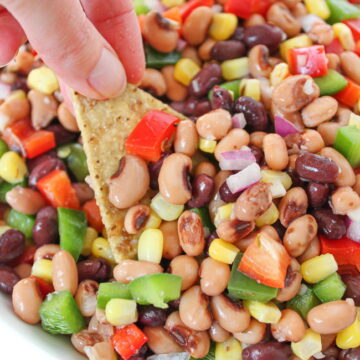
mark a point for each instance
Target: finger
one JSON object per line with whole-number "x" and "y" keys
{"x": 67, "y": 95}
{"x": 67, "y": 41}
{"x": 116, "y": 21}
{"x": 11, "y": 36}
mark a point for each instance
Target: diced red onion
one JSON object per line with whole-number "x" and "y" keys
{"x": 238, "y": 121}
{"x": 354, "y": 215}
{"x": 236, "y": 159}
{"x": 308, "y": 21}
{"x": 353, "y": 230}
{"x": 5, "y": 90}
{"x": 245, "y": 178}
{"x": 181, "y": 44}
{"x": 284, "y": 127}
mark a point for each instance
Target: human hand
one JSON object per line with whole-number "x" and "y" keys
{"x": 94, "y": 46}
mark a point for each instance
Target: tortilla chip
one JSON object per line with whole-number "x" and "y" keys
{"x": 105, "y": 126}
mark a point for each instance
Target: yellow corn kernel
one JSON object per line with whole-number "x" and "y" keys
{"x": 230, "y": 349}
{"x": 164, "y": 209}
{"x": 308, "y": 346}
{"x": 4, "y": 228}
{"x": 251, "y": 88}
{"x": 185, "y": 70}
{"x": 345, "y": 36}
{"x": 235, "y": 68}
{"x": 101, "y": 248}
{"x": 267, "y": 313}
{"x": 154, "y": 221}
{"x": 279, "y": 73}
{"x": 90, "y": 236}
{"x": 223, "y": 26}
{"x": 121, "y": 312}
{"x": 207, "y": 146}
{"x": 150, "y": 245}
{"x": 294, "y": 43}
{"x": 223, "y": 251}
{"x": 12, "y": 167}
{"x": 277, "y": 189}
{"x": 318, "y": 7}
{"x": 354, "y": 119}
{"x": 272, "y": 176}
{"x": 43, "y": 269}
{"x": 172, "y": 3}
{"x": 223, "y": 213}
{"x": 43, "y": 79}
{"x": 270, "y": 216}
{"x": 318, "y": 268}
{"x": 350, "y": 337}
{"x": 16, "y": 94}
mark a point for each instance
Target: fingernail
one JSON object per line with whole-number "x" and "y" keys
{"x": 108, "y": 77}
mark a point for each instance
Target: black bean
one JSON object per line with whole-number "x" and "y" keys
{"x": 254, "y": 112}
{"x": 154, "y": 171}
{"x": 331, "y": 353}
{"x": 226, "y": 195}
{"x": 93, "y": 269}
{"x": 317, "y": 194}
{"x": 269, "y": 350}
{"x": 238, "y": 34}
{"x": 8, "y": 279}
{"x": 151, "y": 316}
{"x": 331, "y": 225}
{"x": 204, "y": 80}
{"x": 227, "y": 50}
{"x": 258, "y": 153}
{"x": 178, "y": 106}
{"x": 268, "y": 35}
{"x": 12, "y": 245}
{"x": 316, "y": 168}
{"x": 350, "y": 354}
{"x": 196, "y": 107}
{"x": 174, "y": 304}
{"x": 202, "y": 189}
{"x": 45, "y": 230}
{"x": 141, "y": 353}
{"x": 44, "y": 168}
{"x": 62, "y": 136}
{"x": 32, "y": 163}
{"x": 20, "y": 84}
{"x": 352, "y": 287}
{"x": 279, "y": 229}
{"x": 221, "y": 99}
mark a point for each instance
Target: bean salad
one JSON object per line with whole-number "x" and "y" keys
{"x": 249, "y": 248}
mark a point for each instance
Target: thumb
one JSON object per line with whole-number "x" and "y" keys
{"x": 69, "y": 43}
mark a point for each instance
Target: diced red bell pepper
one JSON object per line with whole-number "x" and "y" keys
{"x": 357, "y": 48}
{"x": 190, "y": 6}
{"x": 21, "y": 135}
{"x": 26, "y": 257}
{"x": 93, "y": 216}
{"x": 128, "y": 340}
{"x": 334, "y": 47}
{"x": 354, "y": 25}
{"x": 266, "y": 261}
{"x": 44, "y": 287}
{"x": 308, "y": 61}
{"x": 345, "y": 251}
{"x": 174, "y": 14}
{"x": 350, "y": 95}
{"x": 348, "y": 270}
{"x": 57, "y": 189}
{"x": 245, "y": 8}
{"x": 151, "y": 135}
{"x": 355, "y": 1}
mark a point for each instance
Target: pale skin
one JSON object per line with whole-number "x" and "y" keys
{"x": 94, "y": 46}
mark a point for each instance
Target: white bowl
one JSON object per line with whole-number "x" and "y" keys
{"x": 21, "y": 341}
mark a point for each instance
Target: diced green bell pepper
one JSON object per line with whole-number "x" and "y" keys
{"x": 60, "y": 315}
{"x": 76, "y": 162}
{"x": 341, "y": 10}
{"x": 347, "y": 142}
{"x": 3, "y": 147}
{"x": 242, "y": 287}
{"x": 233, "y": 86}
{"x": 331, "y": 83}
{"x": 302, "y": 304}
{"x": 330, "y": 289}
{"x": 156, "y": 289}
{"x": 157, "y": 60}
{"x": 141, "y": 7}
{"x": 22, "y": 222}
{"x": 5, "y": 187}
{"x": 72, "y": 230}
{"x": 205, "y": 218}
{"x": 112, "y": 290}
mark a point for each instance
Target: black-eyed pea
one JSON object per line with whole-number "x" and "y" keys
{"x": 136, "y": 218}
{"x": 12, "y": 110}
{"x": 314, "y": 249}
{"x": 175, "y": 91}
{"x": 85, "y": 338}
{"x": 214, "y": 125}
{"x": 299, "y": 10}
{"x": 190, "y": 52}
{"x": 320, "y": 110}
{"x": 259, "y": 64}
{"x": 280, "y": 15}
{"x": 234, "y": 140}
{"x": 66, "y": 118}
{"x": 311, "y": 141}
{"x": 218, "y": 333}
{"x": 214, "y": 276}
{"x": 171, "y": 247}
{"x": 356, "y": 187}
{"x": 186, "y": 138}
{"x": 344, "y": 199}
{"x": 328, "y": 132}
{"x": 204, "y": 50}
{"x": 333, "y": 61}
{"x": 350, "y": 64}
{"x": 346, "y": 176}
{"x": 85, "y": 297}
{"x": 290, "y": 327}
{"x": 205, "y": 167}
{"x": 299, "y": 235}
{"x": 25, "y": 200}
{"x": 343, "y": 115}
{"x": 46, "y": 252}
{"x": 23, "y": 270}
{"x": 64, "y": 272}
{"x": 292, "y": 161}
{"x": 187, "y": 268}
{"x": 233, "y": 230}
{"x": 257, "y": 138}
{"x": 253, "y": 20}
{"x": 292, "y": 282}
{"x": 159, "y": 340}
{"x": 275, "y": 152}
{"x": 321, "y": 32}
{"x": 154, "y": 81}
{"x": 253, "y": 334}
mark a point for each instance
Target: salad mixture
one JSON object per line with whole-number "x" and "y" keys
{"x": 244, "y": 217}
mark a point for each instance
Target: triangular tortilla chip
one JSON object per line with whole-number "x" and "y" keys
{"x": 105, "y": 126}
